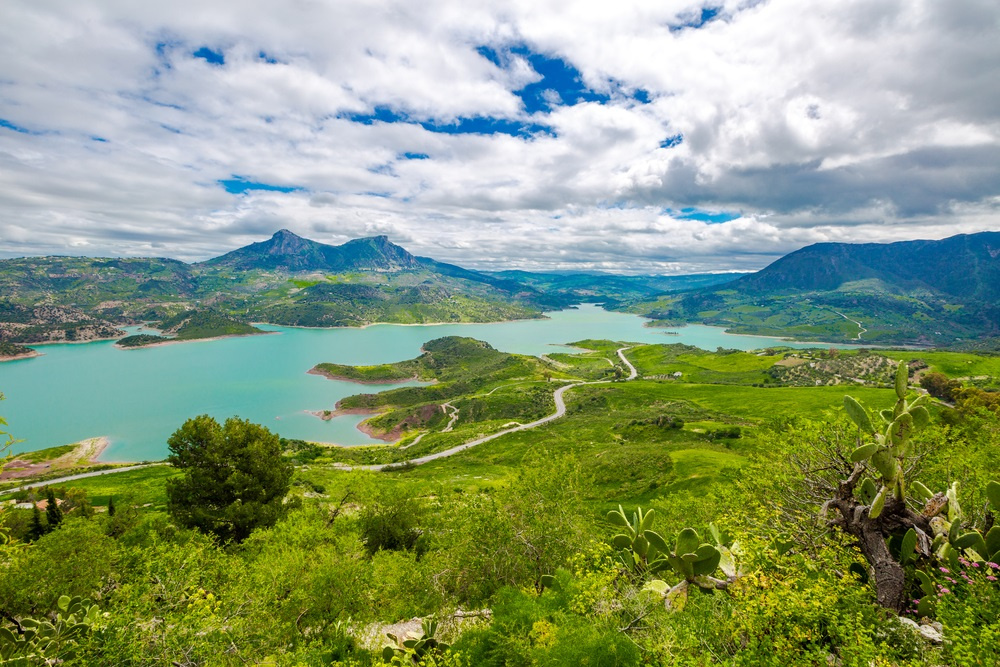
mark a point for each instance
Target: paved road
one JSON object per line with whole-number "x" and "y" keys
{"x": 82, "y": 475}
{"x": 560, "y": 402}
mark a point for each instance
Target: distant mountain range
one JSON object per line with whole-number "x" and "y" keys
{"x": 927, "y": 292}
{"x": 914, "y": 291}
{"x": 966, "y": 266}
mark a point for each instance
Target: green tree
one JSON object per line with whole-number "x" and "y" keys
{"x": 37, "y": 527}
{"x": 940, "y": 386}
{"x": 52, "y": 510}
{"x": 234, "y": 480}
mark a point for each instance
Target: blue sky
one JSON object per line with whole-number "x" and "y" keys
{"x": 663, "y": 137}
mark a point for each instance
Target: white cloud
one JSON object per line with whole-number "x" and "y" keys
{"x": 861, "y": 120}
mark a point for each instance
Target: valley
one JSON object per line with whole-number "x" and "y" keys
{"x": 461, "y": 457}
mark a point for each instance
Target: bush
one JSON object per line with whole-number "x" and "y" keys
{"x": 391, "y": 523}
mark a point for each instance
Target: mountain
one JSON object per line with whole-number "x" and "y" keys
{"x": 285, "y": 250}
{"x": 283, "y": 280}
{"x": 965, "y": 266}
{"x": 914, "y": 292}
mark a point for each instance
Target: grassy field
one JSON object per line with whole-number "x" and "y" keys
{"x": 145, "y": 486}
{"x": 952, "y": 364}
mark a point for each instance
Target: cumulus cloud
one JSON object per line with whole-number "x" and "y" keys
{"x": 499, "y": 135}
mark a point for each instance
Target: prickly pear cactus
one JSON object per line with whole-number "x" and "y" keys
{"x": 695, "y": 561}
{"x": 413, "y": 647}
{"x": 889, "y": 443}
{"x": 47, "y": 641}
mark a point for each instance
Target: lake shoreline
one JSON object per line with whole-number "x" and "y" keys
{"x": 19, "y": 357}
{"x": 343, "y": 378}
{"x": 174, "y": 341}
{"x": 326, "y": 415}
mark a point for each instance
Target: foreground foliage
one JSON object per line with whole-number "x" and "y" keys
{"x": 611, "y": 537}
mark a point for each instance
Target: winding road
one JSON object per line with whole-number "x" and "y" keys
{"x": 82, "y": 475}
{"x": 560, "y": 402}
{"x": 863, "y": 330}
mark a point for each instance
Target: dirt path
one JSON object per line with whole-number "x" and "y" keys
{"x": 558, "y": 397}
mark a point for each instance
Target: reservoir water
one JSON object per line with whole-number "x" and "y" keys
{"x": 137, "y": 398}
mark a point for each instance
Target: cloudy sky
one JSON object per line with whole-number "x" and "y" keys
{"x": 662, "y": 136}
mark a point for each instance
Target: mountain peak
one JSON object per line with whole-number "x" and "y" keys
{"x": 289, "y": 251}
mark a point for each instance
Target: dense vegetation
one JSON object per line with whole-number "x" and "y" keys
{"x": 518, "y": 549}
{"x": 8, "y": 349}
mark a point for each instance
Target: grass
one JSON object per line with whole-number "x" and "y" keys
{"x": 49, "y": 454}
{"x": 952, "y": 364}
{"x": 145, "y": 485}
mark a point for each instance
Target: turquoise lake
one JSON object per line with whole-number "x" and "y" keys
{"x": 137, "y": 398}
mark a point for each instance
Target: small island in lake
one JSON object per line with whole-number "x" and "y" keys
{"x": 192, "y": 325}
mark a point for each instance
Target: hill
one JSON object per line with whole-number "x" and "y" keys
{"x": 911, "y": 292}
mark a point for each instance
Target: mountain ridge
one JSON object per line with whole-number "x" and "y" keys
{"x": 925, "y": 292}
{"x": 287, "y": 250}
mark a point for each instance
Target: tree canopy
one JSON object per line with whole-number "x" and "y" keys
{"x": 234, "y": 480}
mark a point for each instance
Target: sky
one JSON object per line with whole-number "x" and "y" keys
{"x": 635, "y": 136}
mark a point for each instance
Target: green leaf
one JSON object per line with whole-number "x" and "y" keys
{"x": 993, "y": 540}
{"x": 726, "y": 562}
{"x": 921, "y": 416}
{"x": 863, "y": 452}
{"x": 926, "y": 585}
{"x": 687, "y": 541}
{"x": 647, "y": 520}
{"x": 993, "y": 493}
{"x": 388, "y": 652}
{"x": 907, "y": 550}
{"x": 877, "y": 504}
{"x": 617, "y": 518}
{"x": 901, "y": 429}
{"x": 713, "y": 530}
{"x": 656, "y": 542}
{"x": 867, "y": 491}
{"x": 640, "y": 545}
{"x": 622, "y": 541}
{"x": 973, "y": 540}
{"x": 708, "y": 560}
{"x": 921, "y": 492}
{"x": 902, "y": 379}
{"x": 926, "y": 606}
{"x": 858, "y": 414}
{"x": 884, "y": 463}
